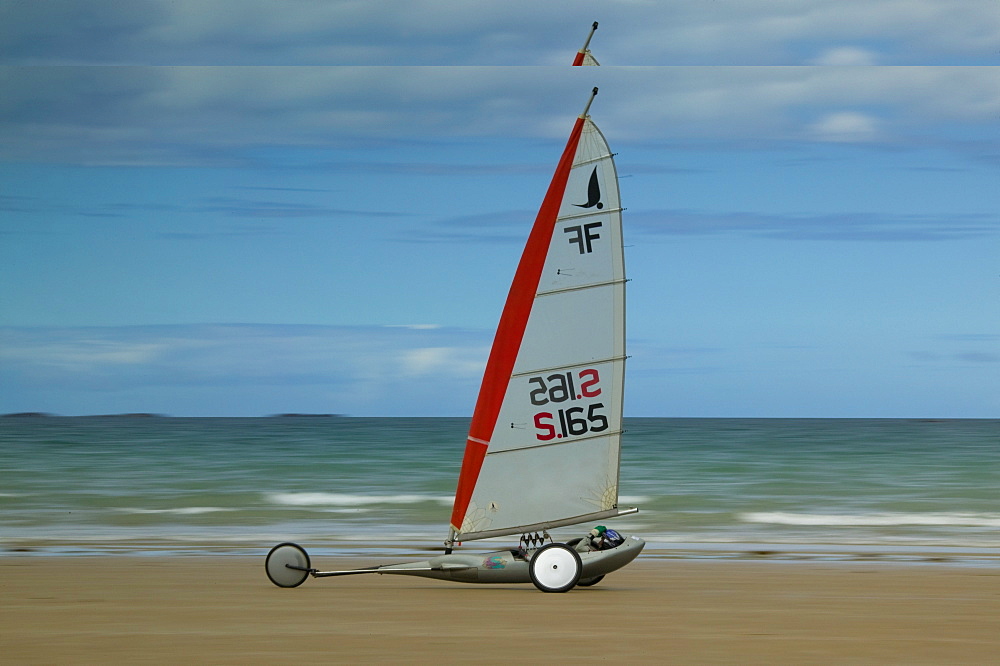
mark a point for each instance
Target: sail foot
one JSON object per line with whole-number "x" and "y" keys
{"x": 542, "y": 527}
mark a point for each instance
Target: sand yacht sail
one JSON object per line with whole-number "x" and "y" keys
{"x": 543, "y": 446}
{"x": 544, "y": 442}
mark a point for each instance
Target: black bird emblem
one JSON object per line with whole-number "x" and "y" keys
{"x": 593, "y": 193}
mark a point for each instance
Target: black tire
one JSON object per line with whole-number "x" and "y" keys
{"x": 555, "y": 568}
{"x": 282, "y": 555}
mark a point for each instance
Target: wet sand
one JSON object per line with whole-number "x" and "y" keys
{"x": 223, "y": 610}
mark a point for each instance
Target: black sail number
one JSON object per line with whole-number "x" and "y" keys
{"x": 573, "y": 421}
{"x": 563, "y": 386}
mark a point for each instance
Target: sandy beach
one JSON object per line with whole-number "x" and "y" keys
{"x": 223, "y": 610}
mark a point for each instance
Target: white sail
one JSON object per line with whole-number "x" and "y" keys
{"x": 552, "y": 457}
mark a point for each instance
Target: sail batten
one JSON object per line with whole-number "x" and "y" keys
{"x": 585, "y": 286}
{"x": 553, "y": 368}
{"x": 556, "y": 370}
{"x": 570, "y": 218}
{"x": 593, "y": 159}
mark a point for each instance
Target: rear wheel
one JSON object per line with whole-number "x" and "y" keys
{"x": 555, "y": 568}
{"x": 279, "y": 562}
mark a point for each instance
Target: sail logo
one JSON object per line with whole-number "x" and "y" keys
{"x": 584, "y": 236}
{"x": 593, "y": 193}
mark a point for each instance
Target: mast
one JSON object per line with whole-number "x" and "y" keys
{"x": 586, "y": 109}
{"x": 581, "y": 55}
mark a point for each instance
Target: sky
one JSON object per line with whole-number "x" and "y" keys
{"x": 241, "y": 208}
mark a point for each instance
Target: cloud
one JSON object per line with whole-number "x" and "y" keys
{"x": 504, "y": 227}
{"x": 257, "y": 208}
{"x": 967, "y": 357}
{"x": 83, "y": 354}
{"x": 430, "y": 361}
{"x": 973, "y": 349}
{"x": 846, "y": 56}
{"x": 408, "y": 369}
{"x": 456, "y": 32}
{"x": 838, "y": 227}
{"x": 978, "y": 357}
{"x": 229, "y": 206}
{"x": 846, "y": 127}
{"x": 238, "y": 117}
{"x": 973, "y": 337}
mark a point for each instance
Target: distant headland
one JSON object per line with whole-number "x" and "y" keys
{"x": 43, "y": 415}
{"x": 26, "y": 415}
{"x": 293, "y": 415}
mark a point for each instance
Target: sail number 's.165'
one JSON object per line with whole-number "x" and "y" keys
{"x": 569, "y": 421}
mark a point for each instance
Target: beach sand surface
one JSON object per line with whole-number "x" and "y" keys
{"x": 223, "y": 610}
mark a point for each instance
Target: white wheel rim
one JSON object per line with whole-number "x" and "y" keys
{"x": 282, "y": 575}
{"x": 555, "y": 567}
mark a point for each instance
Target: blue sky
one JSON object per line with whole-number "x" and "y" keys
{"x": 240, "y": 209}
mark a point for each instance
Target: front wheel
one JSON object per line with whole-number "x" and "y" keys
{"x": 287, "y": 565}
{"x": 555, "y": 568}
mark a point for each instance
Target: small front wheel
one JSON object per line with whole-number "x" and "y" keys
{"x": 287, "y": 565}
{"x": 555, "y": 568}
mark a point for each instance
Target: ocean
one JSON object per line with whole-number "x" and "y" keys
{"x": 922, "y": 490}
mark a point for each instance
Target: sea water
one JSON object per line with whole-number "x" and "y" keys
{"x": 705, "y": 487}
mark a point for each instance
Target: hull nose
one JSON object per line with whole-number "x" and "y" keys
{"x": 602, "y": 562}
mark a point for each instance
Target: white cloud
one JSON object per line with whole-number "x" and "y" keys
{"x": 344, "y": 369}
{"x": 452, "y": 32}
{"x": 214, "y": 115}
{"x": 846, "y": 127}
{"x": 846, "y": 56}
{"x": 415, "y": 327}
{"x": 82, "y": 355}
{"x": 443, "y": 361}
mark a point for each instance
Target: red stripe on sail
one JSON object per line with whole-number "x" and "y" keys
{"x": 510, "y": 330}
{"x": 578, "y": 60}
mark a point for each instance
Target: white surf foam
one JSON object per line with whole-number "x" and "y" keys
{"x": 185, "y": 510}
{"x": 342, "y": 499}
{"x": 875, "y": 519}
{"x": 633, "y": 500}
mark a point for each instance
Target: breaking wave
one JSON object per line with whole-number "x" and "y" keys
{"x": 341, "y": 499}
{"x": 184, "y": 511}
{"x": 875, "y": 519}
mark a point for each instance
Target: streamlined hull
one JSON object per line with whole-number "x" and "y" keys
{"x": 288, "y": 565}
{"x": 505, "y": 567}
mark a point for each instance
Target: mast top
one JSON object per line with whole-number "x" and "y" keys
{"x": 587, "y": 43}
{"x": 586, "y": 109}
